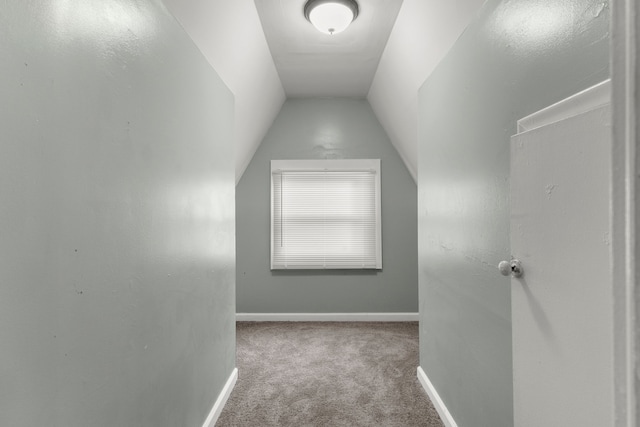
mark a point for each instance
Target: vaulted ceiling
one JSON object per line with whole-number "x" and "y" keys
{"x": 266, "y": 51}
{"x": 311, "y": 63}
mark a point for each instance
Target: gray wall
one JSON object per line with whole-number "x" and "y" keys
{"x": 117, "y": 218}
{"x": 515, "y": 58}
{"x": 327, "y": 129}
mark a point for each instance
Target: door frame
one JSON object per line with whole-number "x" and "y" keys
{"x": 626, "y": 194}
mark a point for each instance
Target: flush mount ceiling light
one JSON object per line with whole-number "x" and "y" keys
{"x": 331, "y": 16}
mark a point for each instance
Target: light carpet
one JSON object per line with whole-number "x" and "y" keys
{"x": 328, "y": 374}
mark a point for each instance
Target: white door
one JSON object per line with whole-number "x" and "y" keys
{"x": 562, "y": 305}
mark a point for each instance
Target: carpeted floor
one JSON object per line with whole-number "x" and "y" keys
{"x": 327, "y": 374}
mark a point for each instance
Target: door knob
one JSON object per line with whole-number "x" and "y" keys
{"x": 512, "y": 267}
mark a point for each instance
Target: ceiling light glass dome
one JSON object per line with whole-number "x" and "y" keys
{"x": 331, "y": 16}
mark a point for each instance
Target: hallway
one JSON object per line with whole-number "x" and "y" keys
{"x": 327, "y": 374}
{"x": 137, "y": 138}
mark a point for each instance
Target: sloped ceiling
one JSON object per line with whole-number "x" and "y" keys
{"x": 386, "y": 54}
{"x": 230, "y": 36}
{"x": 424, "y": 32}
{"x": 311, "y": 63}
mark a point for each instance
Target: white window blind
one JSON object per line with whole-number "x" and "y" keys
{"x": 325, "y": 214}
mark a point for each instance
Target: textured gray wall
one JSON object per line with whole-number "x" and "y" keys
{"x": 515, "y": 58}
{"x": 333, "y": 129}
{"x": 117, "y": 218}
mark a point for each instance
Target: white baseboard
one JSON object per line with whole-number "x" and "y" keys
{"x": 444, "y": 413}
{"x": 327, "y": 317}
{"x": 221, "y": 400}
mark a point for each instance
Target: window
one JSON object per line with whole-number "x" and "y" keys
{"x": 325, "y": 214}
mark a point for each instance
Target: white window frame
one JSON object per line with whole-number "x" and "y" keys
{"x": 371, "y": 165}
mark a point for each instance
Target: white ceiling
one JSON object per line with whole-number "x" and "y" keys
{"x": 423, "y": 34}
{"x": 311, "y": 63}
{"x": 379, "y": 57}
{"x": 229, "y": 35}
